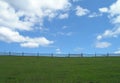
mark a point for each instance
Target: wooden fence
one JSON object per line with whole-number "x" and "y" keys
{"x": 58, "y": 55}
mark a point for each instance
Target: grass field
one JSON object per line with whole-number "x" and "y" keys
{"x": 14, "y": 69}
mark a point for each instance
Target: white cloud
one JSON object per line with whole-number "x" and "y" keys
{"x": 64, "y": 33}
{"x": 63, "y": 16}
{"x": 29, "y": 45}
{"x": 102, "y": 44}
{"x": 8, "y": 35}
{"x": 58, "y": 51}
{"x": 39, "y": 4}
{"x": 25, "y": 41}
{"x": 36, "y": 42}
{"x": 95, "y": 15}
{"x": 81, "y": 11}
{"x": 118, "y": 51}
{"x": 39, "y": 8}
{"x": 35, "y": 11}
{"x": 99, "y": 37}
{"x": 42, "y": 29}
{"x": 115, "y": 32}
{"x": 16, "y": 16}
{"x": 116, "y": 20}
{"x": 103, "y": 10}
{"x": 113, "y": 12}
{"x": 78, "y": 49}
{"x": 115, "y": 8}
{"x": 9, "y": 18}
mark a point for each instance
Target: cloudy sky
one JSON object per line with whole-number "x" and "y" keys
{"x": 60, "y": 26}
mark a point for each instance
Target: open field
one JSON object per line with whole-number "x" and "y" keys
{"x": 18, "y": 69}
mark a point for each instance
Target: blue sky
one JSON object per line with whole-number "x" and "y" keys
{"x": 60, "y": 26}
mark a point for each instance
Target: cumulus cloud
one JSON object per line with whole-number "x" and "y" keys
{"x": 9, "y": 18}
{"x": 8, "y": 35}
{"x": 36, "y": 42}
{"x": 29, "y": 45}
{"x": 103, "y": 10}
{"x": 14, "y": 36}
{"x": 116, "y": 20}
{"x": 23, "y": 15}
{"x": 118, "y": 51}
{"x": 78, "y": 49}
{"x": 39, "y": 8}
{"x": 114, "y": 9}
{"x": 63, "y": 16}
{"x": 94, "y": 14}
{"x": 102, "y": 44}
{"x": 99, "y": 37}
{"x": 35, "y": 11}
{"x": 81, "y": 11}
{"x": 58, "y": 51}
{"x": 64, "y": 33}
{"x": 39, "y": 4}
{"x": 113, "y": 12}
{"x": 115, "y": 32}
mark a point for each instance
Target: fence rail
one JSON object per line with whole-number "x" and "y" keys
{"x": 57, "y": 55}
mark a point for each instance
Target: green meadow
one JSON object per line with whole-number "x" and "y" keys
{"x": 21, "y": 69}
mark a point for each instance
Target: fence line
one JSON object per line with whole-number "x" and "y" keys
{"x": 58, "y": 55}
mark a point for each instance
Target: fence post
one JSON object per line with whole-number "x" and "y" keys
{"x": 68, "y": 55}
{"x": 37, "y": 54}
{"x": 95, "y": 54}
{"x": 81, "y": 54}
{"x": 107, "y": 54}
{"x": 9, "y": 54}
{"x": 22, "y": 53}
{"x": 51, "y": 54}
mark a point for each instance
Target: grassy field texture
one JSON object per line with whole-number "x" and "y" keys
{"x": 15, "y": 69}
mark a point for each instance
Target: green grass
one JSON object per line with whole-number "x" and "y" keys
{"x": 15, "y": 69}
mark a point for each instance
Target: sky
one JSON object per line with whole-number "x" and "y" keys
{"x": 60, "y": 26}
